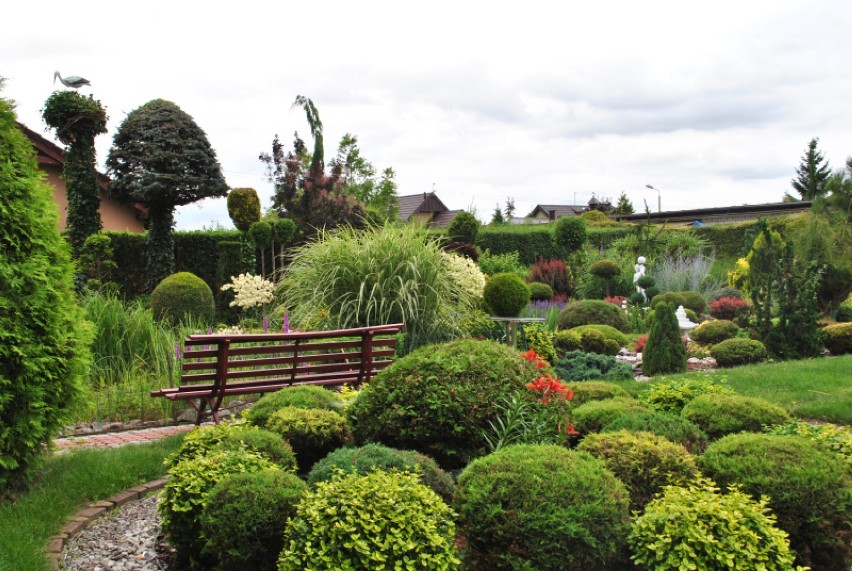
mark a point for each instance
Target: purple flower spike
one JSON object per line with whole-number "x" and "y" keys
{"x": 177, "y": 351}
{"x": 286, "y": 322}
{"x": 265, "y": 324}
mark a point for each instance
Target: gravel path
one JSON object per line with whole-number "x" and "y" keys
{"x": 127, "y": 539}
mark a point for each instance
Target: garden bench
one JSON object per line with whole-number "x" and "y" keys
{"x": 217, "y": 366}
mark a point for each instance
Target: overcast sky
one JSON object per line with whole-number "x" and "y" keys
{"x": 545, "y": 102}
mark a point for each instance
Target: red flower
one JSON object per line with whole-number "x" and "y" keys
{"x": 534, "y": 358}
{"x": 549, "y": 386}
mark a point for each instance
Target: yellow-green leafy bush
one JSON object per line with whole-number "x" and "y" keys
{"x": 304, "y": 396}
{"x": 721, "y": 414}
{"x": 738, "y": 351}
{"x": 837, "y": 338}
{"x": 712, "y": 332}
{"x": 312, "y": 432}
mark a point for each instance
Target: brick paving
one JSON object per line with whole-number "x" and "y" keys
{"x": 119, "y": 438}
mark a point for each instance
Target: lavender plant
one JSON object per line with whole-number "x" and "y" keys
{"x": 676, "y": 272}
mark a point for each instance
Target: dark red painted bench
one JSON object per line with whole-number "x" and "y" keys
{"x": 218, "y": 366}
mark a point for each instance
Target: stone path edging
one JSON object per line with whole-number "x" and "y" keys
{"x": 56, "y": 544}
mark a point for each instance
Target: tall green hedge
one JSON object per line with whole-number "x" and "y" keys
{"x": 532, "y": 241}
{"x": 44, "y": 338}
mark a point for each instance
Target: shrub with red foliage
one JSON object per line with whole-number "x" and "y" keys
{"x": 554, "y": 273}
{"x": 615, "y": 299}
{"x": 640, "y": 343}
{"x": 728, "y": 308}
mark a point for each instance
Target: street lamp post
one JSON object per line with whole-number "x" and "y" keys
{"x": 659, "y": 202}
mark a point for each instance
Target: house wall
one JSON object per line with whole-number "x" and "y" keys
{"x": 423, "y": 217}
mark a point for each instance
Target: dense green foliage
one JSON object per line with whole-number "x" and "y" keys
{"x": 506, "y": 295}
{"x": 698, "y": 528}
{"x": 301, "y": 396}
{"x": 712, "y": 332}
{"x": 463, "y": 227}
{"x": 672, "y": 395}
{"x": 594, "y": 416}
{"x": 664, "y": 352}
{"x": 570, "y": 234}
{"x": 44, "y": 339}
{"x": 833, "y": 438}
{"x": 389, "y": 274}
{"x": 242, "y": 518}
{"x": 540, "y": 291}
{"x": 77, "y": 120}
{"x": 586, "y": 391}
{"x": 592, "y": 311}
{"x": 312, "y": 432}
{"x": 365, "y": 459}
{"x": 362, "y": 523}
{"x": 606, "y": 270}
{"x": 182, "y": 297}
{"x": 738, "y": 351}
{"x": 668, "y": 425}
{"x": 574, "y": 517}
{"x": 837, "y": 338}
{"x": 812, "y": 173}
{"x": 161, "y": 158}
{"x": 582, "y": 366}
{"x": 644, "y": 462}
{"x": 491, "y": 264}
{"x": 808, "y": 489}
{"x": 688, "y": 299}
{"x": 243, "y": 208}
{"x": 721, "y": 414}
{"x": 554, "y": 273}
{"x": 439, "y": 399}
{"x": 607, "y": 331}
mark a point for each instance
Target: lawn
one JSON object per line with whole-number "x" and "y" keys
{"x": 65, "y": 483}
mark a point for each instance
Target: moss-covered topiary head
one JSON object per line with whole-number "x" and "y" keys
{"x": 506, "y": 294}
{"x": 540, "y": 291}
{"x": 182, "y": 297}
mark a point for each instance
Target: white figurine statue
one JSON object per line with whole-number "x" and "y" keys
{"x": 638, "y": 272}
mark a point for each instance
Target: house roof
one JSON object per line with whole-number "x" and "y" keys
{"x": 49, "y": 153}
{"x": 741, "y": 212}
{"x": 444, "y": 218}
{"x": 559, "y": 210}
{"x": 415, "y": 203}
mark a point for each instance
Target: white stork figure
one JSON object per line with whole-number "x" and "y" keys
{"x": 73, "y": 81}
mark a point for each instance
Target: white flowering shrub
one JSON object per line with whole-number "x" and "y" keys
{"x": 250, "y": 290}
{"x": 467, "y": 275}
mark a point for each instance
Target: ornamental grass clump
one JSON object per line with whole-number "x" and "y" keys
{"x": 382, "y": 520}
{"x": 543, "y": 507}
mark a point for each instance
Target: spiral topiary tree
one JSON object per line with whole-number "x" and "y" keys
{"x": 43, "y": 333}
{"x": 77, "y": 120}
{"x": 664, "y": 352}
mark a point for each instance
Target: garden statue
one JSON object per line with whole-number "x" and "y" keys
{"x": 683, "y": 321}
{"x": 71, "y": 81}
{"x": 638, "y": 273}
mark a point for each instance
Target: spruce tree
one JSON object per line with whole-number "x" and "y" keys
{"x": 812, "y": 174}
{"x": 664, "y": 352}
{"x": 623, "y": 206}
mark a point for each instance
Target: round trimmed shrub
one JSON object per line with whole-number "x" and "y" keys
{"x": 570, "y": 234}
{"x": 540, "y": 291}
{"x": 188, "y": 490}
{"x": 688, "y": 299}
{"x": 464, "y": 227}
{"x": 243, "y": 207}
{"x": 182, "y": 297}
{"x": 594, "y": 415}
{"x": 605, "y": 269}
{"x": 592, "y": 341}
{"x": 707, "y": 530}
{"x": 380, "y": 520}
{"x": 586, "y": 391}
{"x": 582, "y": 366}
{"x": 837, "y": 338}
{"x": 506, "y": 294}
{"x": 241, "y": 521}
{"x": 738, "y": 351}
{"x": 312, "y": 432}
{"x": 209, "y": 439}
{"x": 365, "y": 459}
{"x": 664, "y": 352}
{"x": 303, "y": 396}
{"x": 574, "y": 517}
{"x": 607, "y": 331}
{"x": 592, "y": 311}
{"x": 670, "y": 426}
{"x": 713, "y": 332}
{"x": 809, "y": 490}
{"x": 726, "y": 292}
{"x": 644, "y": 462}
{"x": 439, "y": 399}
{"x": 567, "y": 340}
{"x": 673, "y": 395}
{"x": 729, "y": 308}
{"x": 721, "y": 414}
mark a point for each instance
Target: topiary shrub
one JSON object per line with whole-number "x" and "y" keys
{"x": 312, "y": 432}
{"x": 607, "y": 331}
{"x": 540, "y": 291}
{"x": 673, "y": 395}
{"x": 303, "y": 396}
{"x": 506, "y": 295}
{"x": 721, "y": 414}
{"x": 439, "y": 399}
{"x": 187, "y": 491}
{"x": 365, "y": 459}
{"x": 206, "y": 440}
{"x": 738, "y": 351}
{"x": 243, "y": 207}
{"x": 464, "y": 227}
{"x": 664, "y": 352}
{"x": 644, "y": 462}
{"x": 586, "y": 391}
{"x": 729, "y": 308}
{"x": 712, "y": 332}
{"x": 837, "y": 338}
{"x": 44, "y": 337}
{"x": 809, "y": 490}
{"x": 726, "y": 292}
{"x": 242, "y": 518}
{"x": 589, "y": 311}
{"x": 574, "y": 517}
{"x": 594, "y": 415}
{"x": 379, "y": 520}
{"x": 566, "y": 341}
{"x": 670, "y": 426}
{"x": 582, "y": 366}
{"x": 182, "y": 297}
{"x": 688, "y": 299}
{"x": 592, "y": 341}
{"x": 696, "y": 527}
{"x": 569, "y": 234}
{"x": 606, "y": 270}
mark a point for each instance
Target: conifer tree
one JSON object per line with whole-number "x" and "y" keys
{"x": 812, "y": 174}
{"x": 664, "y": 352}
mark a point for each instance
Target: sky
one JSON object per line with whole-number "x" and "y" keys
{"x": 712, "y": 104}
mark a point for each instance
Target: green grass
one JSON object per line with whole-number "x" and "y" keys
{"x": 62, "y": 485}
{"x": 814, "y": 389}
